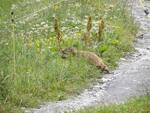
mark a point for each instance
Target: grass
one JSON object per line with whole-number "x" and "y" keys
{"x": 135, "y": 105}
{"x": 41, "y": 75}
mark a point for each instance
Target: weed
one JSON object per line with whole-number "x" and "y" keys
{"x": 87, "y": 36}
{"x": 101, "y": 27}
{"x": 58, "y": 33}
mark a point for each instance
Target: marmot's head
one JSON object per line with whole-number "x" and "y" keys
{"x": 68, "y": 51}
{"x": 104, "y": 69}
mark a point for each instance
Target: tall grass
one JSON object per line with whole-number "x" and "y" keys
{"x": 40, "y": 73}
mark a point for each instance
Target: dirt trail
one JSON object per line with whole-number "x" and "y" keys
{"x": 130, "y": 79}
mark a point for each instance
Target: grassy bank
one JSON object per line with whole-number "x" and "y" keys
{"x": 136, "y": 105}
{"x": 39, "y": 73}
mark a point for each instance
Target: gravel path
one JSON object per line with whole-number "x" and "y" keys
{"x": 131, "y": 78}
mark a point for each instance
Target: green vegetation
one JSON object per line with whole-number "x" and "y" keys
{"x": 39, "y": 73}
{"x": 136, "y": 105}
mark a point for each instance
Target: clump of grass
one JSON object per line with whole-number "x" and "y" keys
{"x": 134, "y": 105}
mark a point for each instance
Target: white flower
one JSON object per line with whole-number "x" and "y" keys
{"x": 46, "y": 26}
{"x": 33, "y": 29}
{"x": 13, "y": 6}
{"x": 38, "y": 0}
{"x": 42, "y": 23}
{"x": 49, "y": 47}
{"x": 42, "y": 50}
{"x": 6, "y": 44}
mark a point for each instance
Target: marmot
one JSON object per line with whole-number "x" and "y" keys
{"x": 91, "y": 57}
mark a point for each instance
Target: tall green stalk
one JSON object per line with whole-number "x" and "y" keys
{"x": 14, "y": 41}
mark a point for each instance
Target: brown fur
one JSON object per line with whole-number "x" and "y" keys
{"x": 1, "y": 110}
{"x": 91, "y": 57}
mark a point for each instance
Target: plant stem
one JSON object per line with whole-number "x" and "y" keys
{"x": 14, "y": 47}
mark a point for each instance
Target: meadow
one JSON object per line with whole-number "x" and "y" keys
{"x": 31, "y": 35}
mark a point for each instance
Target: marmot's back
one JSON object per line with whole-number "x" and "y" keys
{"x": 94, "y": 59}
{"x": 91, "y": 57}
